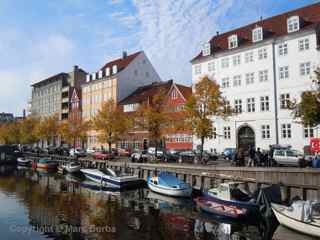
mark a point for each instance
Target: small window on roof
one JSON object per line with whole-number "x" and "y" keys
{"x": 114, "y": 69}
{"x": 206, "y": 49}
{"x": 107, "y": 72}
{"x": 293, "y": 24}
{"x": 257, "y": 34}
{"x": 233, "y": 41}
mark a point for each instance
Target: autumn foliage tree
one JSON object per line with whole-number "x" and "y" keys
{"x": 10, "y": 133}
{"x": 28, "y": 128}
{"x": 308, "y": 109}
{"x": 153, "y": 117}
{"x": 203, "y": 107}
{"x": 111, "y": 123}
{"x": 47, "y": 129}
{"x": 72, "y": 129}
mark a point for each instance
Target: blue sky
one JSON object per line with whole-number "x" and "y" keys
{"x": 40, "y": 38}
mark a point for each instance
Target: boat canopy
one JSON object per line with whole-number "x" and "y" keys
{"x": 169, "y": 180}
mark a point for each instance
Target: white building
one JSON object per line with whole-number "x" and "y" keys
{"x": 259, "y": 67}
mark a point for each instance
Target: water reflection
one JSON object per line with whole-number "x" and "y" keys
{"x": 69, "y": 207}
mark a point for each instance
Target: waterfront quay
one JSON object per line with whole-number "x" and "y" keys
{"x": 301, "y": 182}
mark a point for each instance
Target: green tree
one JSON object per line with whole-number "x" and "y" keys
{"x": 111, "y": 123}
{"x": 202, "y": 108}
{"x": 308, "y": 109}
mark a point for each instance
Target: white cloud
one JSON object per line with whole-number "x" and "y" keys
{"x": 173, "y": 31}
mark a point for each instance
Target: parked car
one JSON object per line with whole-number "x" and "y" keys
{"x": 123, "y": 152}
{"x": 90, "y": 151}
{"x": 152, "y": 151}
{"x": 288, "y": 157}
{"x": 228, "y": 153}
{"x": 139, "y": 156}
{"x": 171, "y": 156}
{"x": 187, "y": 156}
{"x": 103, "y": 155}
{"x": 77, "y": 152}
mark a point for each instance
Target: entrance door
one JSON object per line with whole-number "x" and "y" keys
{"x": 246, "y": 137}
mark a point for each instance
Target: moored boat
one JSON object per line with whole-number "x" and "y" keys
{"x": 109, "y": 178}
{"x": 170, "y": 185}
{"x": 45, "y": 164}
{"x": 23, "y": 161}
{"x": 72, "y": 167}
{"x": 229, "y": 200}
{"x": 301, "y": 216}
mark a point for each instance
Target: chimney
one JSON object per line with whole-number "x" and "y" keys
{"x": 217, "y": 33}
{"x": 75, "y": 68}
{"x": 24, "y": 113}
{"x": 124, "y": 54}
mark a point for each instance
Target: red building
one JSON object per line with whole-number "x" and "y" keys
{"x": 176, "y": 97}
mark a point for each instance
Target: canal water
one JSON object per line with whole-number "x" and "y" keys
{"x": 41, "y": 205}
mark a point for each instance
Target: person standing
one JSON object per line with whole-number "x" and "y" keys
{"x": 252, "y": 154}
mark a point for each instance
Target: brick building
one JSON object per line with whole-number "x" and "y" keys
{"x": 176, "y": 98}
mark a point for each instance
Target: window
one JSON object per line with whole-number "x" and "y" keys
{"x": 284, "y": 100}
{"x": 130, "y": 107}
{"x": 308, "y": 132}
{"x": 293, "y": 24}
{"x": 233, "y": 41}
{"x": 264, "y": 103}
{"x": 114, "y": 69}
{"x": 257, "y": 34}
{"x": 225, "y": 83}
{"x": 107, "y": 72}
{"x": 225, "y": 63}
{"x": 238, "y": 106}
{"x": 236, "y": 60}
{"x": 206, "y": 49}
{"x": 265, "y": 131}
{"x": 197, "y": 69}
{"x": 227, "y": 132}
{"x": 263, "y": 76}
{"x": 284, "y": 72}
{"x": 249, "y": 78}
{"x": 304, "y": 44}
{"x": 237, "y": 81}
{"x": 214, "y": 130}
{"x": 286, "y": 130}
{"x": 305, "y": 69}
{"x": 250, "y": 105}
{"x": 249, "y": 57}
{"x": 283, "y": 49}
{"x": 211, "y": 67}
{"x": 174, "y": 94}
{"x": 262, "y": 53}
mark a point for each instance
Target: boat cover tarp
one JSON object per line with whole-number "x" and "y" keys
{"x": 303, "y": 210}
{"x": 267, "y": 196}
{"x": 167, "y": 179}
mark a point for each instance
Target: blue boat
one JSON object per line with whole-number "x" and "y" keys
{"x": 169, "y": 184}
{"x": 229, "y": 200}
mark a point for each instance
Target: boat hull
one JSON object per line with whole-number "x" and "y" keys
{"x": 46, "y": 165}
{"x": 252, "y": 209}
{"x": 109, "y": 181}
{"x": 186, "y": 192}
{"x": 294, "y": 224}
{"x": 72, "y": 169}
{"x": 23, "y": 162}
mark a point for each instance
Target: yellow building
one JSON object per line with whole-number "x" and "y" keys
{"x": 115, "y": 80}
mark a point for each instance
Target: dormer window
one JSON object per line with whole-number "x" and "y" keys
{"x": 88, "y": 78}
{"x": 293, "y": 24}
{"x": 233, "y": 41}
{"x": 257, "y": 34}
{"x": 107, "y": 72}
{"x": 93, "y": 75}
{"x": 100, "y": 74}
{"x": 114, "y": 69}
{"x": 206, "y": 49}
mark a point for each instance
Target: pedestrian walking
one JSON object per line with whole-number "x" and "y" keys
{"x": 258, "y": 157}
{"x": 252, "y": 154}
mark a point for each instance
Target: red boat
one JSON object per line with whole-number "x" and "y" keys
{"x": 45, "y": 164}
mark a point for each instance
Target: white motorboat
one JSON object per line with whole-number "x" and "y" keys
{"x": 23, "y": 161}
{"x": 301, "y": 216}
{"x": 108, "y": 178}
{"x": 170, "y": 185}
{"x": 72, "y": 167}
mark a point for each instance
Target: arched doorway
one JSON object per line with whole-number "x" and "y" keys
{"x": 246, "y": 137}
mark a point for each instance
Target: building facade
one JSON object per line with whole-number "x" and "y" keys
{"x": 176, "y": 97}
{"x": 6, "y": 117}
{"x": 259, "y": 67}
{"x": 115, "y": 80}
{"x": 53, "y": 95}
